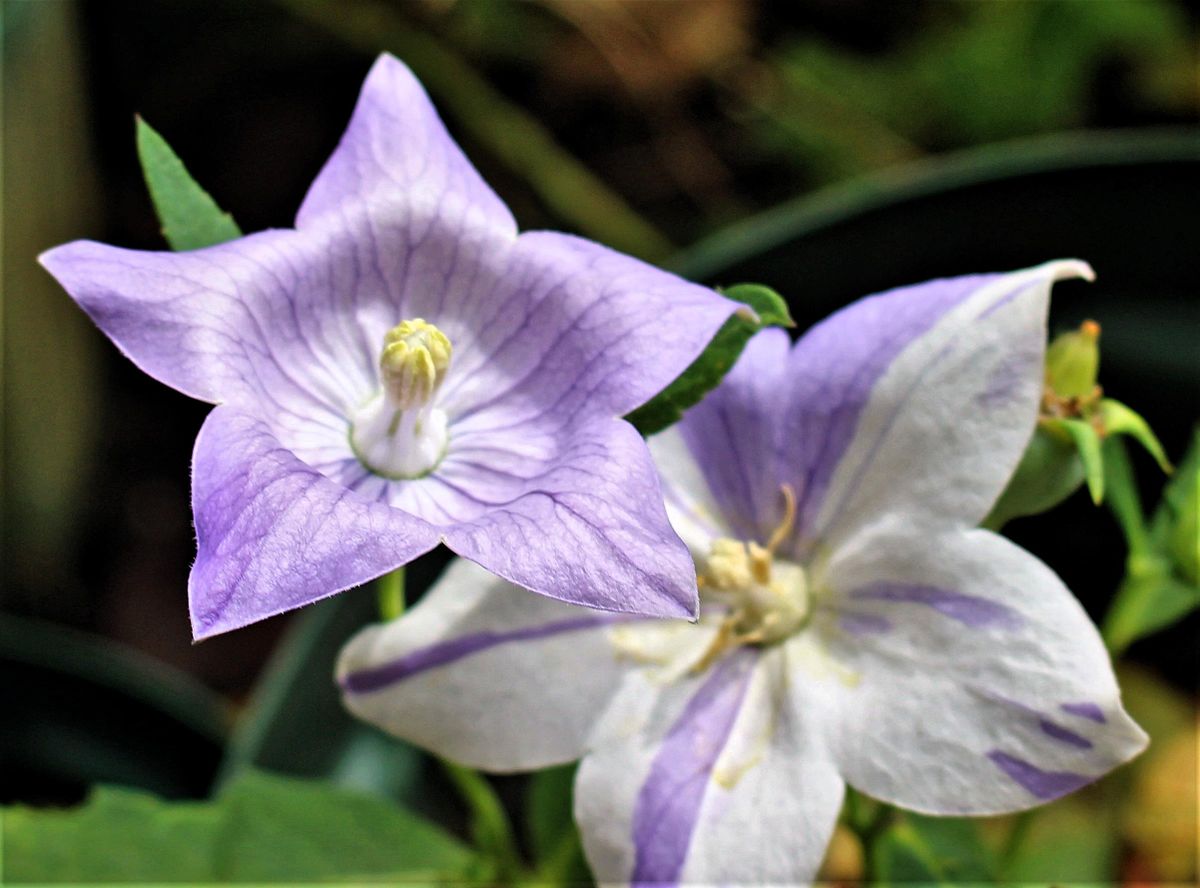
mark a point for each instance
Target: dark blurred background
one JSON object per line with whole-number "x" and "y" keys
{"x": 651, "y": 126}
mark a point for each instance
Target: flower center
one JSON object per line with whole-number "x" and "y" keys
{"x": 766, "y": 599}
{"x": 399, "y": 433}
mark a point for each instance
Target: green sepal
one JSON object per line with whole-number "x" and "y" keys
{"x": 1087, "y": 445}
{"x": 190, "y": 218}
{"x": 1121, "y": 420}
{"x": 261, "y": 828}
{"x": 933, "y": 851}
{"x": 1048, "y": 473}
{"x": 766, "y": 309}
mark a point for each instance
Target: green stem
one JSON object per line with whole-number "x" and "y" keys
{"x": 390, "y": 590}
{"x": 1016, "y": 837}
{"x": 490, "y": 827}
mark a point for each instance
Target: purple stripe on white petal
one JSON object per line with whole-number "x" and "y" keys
{"x": 1045, "y": 785}
{"x": 668, "y": 805}
{"x": 970, "y": 610}
{"x": 863, "y": 624}
{"x": 1058, "y": 732}
{"x": 378, "y": 677}
{"x": 833, "y": 370}
{"x": 1090, "y": 711}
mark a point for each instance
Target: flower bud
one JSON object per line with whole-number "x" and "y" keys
{"x": 1073, "y": 362}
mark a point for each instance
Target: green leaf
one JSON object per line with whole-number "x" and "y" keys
{"x": 933, "y": 850}
{"x": 767, "y": 309}
{"x": 1087, "y": 443}
{"x": 190, "y": 218}
{"x": 261, "y": 828}
{"x": 1121, "y": 420}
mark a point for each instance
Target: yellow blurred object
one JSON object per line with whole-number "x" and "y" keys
{"x": 1161, "y": 820}
{"x": 843, "y": 858}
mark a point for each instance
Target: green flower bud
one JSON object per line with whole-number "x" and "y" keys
{"x": 1073, "y": 363}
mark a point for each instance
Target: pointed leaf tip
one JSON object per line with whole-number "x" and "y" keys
{"x": 190, "y": 218}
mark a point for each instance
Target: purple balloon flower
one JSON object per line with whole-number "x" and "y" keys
{"x": 403, "y": 369}
{"x": 856, "y": 626}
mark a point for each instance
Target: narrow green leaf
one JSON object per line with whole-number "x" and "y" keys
{"x": 766, "y": 309}
{"x": 1121, "y": 420}
{"x": 261, "y": 828}
{"x": 190, "y": 219}
{"x": 1087, "y": 442}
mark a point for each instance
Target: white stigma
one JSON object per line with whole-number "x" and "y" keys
{"x": 399, "y": 433}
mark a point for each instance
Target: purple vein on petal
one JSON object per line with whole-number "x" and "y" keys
{"x": 970, "y": 610}
{"x": 1045, "y": 785}
{"x": 668, "y": 804}
{"x": 444, "y": 652}
{"x": 1087, "y": 710}
{"x": 1061, "y": 734}
{"x": 863, "y": 624}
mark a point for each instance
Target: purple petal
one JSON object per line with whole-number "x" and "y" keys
{"x": 668, "y": 805}
{"x": 383, "y": 675}
{"x": 1045, "y": 785}
{"x": 222, "y": 324}
{"x": 733, "y": 436}
{"x": 396, "y": 149}
{"x": 575, "y": 329}
{"x": 586, "y": 526}
{"x": 274, "y": 534}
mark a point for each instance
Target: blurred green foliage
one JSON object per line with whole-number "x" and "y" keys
{"x": 259, "y": 828}
{"x": 1161, "y": 581}
{"x": 975, "y": 73}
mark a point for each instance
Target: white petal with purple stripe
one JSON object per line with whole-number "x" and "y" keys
{"x": 979, "y": 683}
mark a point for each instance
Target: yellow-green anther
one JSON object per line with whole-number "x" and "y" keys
{"x": 416, "y": 356}
{"x": 1073, "y": 362}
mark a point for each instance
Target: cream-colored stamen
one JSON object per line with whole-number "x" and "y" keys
{"x": 767, "y": 599}
{"x": 399, "y": 433}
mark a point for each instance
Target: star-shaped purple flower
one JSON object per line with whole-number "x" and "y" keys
{"x": 401, "y": 369}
